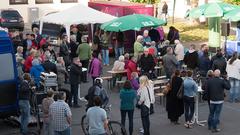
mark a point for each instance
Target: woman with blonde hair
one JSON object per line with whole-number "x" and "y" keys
{"x": 146, "y": 101}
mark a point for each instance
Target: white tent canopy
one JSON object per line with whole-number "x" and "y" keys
{"x": 79, "y": 14}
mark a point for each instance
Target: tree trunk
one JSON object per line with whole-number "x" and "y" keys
{"x": 174, "y": 5}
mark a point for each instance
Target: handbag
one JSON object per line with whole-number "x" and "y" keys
{"x": 167, "y": 88}
{"x": 180, "y": 91}
{"x": 151, "y": 111}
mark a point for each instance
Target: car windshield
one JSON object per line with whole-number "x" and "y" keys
{"x": 10, "y": 14}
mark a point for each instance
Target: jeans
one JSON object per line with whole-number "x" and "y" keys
{"x": 84, "y": 74}
{"x": 64, "y": 132}
{"x": 105, "y": 54}
{"x": 234, "y": 91}
{"x": 24, "y": 107}
{"x": 74, "y": 94}
{"x": 213, "y": 119}
{"x": 118, "y": 51}
{"x": 130, "y": 118}
{"x": 146, "y": 125}
{"x": 189, "y": 108}
{"x": 47, "y": 129}
{"x": 180, "y": 63}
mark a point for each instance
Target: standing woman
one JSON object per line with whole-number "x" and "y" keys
{"x": 233, "y": 70}
{"x": 146, "y": 94}
{"x": 127, "y": 96}
{"x": 175, "y": 105}
{"x": 95, "y": 67}
{"x": 190, "y": 90}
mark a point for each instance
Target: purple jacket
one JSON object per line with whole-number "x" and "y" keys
{"x": 95, "y": 68}
{"x": 135, "y": 84}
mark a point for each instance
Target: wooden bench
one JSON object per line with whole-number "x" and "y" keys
{"x": 162, "y": 77}
{"x": 162, "y": 98}
{"x": 109, "y": 79}
{"x": 120, "y": 83}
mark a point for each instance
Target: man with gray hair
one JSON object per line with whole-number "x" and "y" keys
{"x": 48, "y": 65}
{"x": 215, "y": 88}
{"x": 170, "y": 62}
{"x": 84, "y": 54}
{"x": 138, "y": 47}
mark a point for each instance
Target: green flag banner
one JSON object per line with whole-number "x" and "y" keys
{"x": 214, "y": 31}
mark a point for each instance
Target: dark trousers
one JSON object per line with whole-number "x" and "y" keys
{"x": 85, "y": 65}
{"x": 146, "y": 125}
{"x": 213, "y": 119}
{"x": 130, "y": 118}
{"x": 74, "y": 94}
{"x": 189, "y": 108}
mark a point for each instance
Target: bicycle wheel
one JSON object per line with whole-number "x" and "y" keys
{"x": 116, "y": 128}
{"x": 84, "y": 125}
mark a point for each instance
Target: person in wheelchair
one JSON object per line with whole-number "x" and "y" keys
{"x": 97, "y": 90}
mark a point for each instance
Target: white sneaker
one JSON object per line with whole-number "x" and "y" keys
{"x": 141, "y": 130}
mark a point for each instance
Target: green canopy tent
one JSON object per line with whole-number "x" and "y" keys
{"x": 214, "y": 11}
{"x": 132, "y": 22}
{"x": 233, "y": 15}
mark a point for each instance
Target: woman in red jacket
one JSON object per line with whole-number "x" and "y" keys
{"x": 28, "y": 61}
{"x": 131, "y": 67}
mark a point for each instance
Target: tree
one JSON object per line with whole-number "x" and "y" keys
{"x": 235, "y": 2}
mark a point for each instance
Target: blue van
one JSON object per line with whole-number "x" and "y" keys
{"x": 8, "y": 78}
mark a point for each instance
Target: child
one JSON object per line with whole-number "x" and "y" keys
{"x": 135, "y": 81}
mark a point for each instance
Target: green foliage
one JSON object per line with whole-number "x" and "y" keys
{"x": 235, "y": 2}
{"x": 146, "y": 1}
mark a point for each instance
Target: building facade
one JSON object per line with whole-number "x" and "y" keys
{"x": 34, "y": 9}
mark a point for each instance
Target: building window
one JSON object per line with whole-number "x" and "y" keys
{"x": 43, "y": 1}
{"x": 18, "y": 2}
{"x": 69, "y": 1}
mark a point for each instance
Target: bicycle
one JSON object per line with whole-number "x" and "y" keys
{"x": 114, "y": 127}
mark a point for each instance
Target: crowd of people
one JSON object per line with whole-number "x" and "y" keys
{"x": 36, "y": 54}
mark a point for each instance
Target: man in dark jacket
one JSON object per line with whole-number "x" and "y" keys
{"x": 48, "y": 65}
{"x": 147, "y": 64}
{"x": 97, "y": 90}
{"x": 24, "y": 105}
{"x": 64, "y": 50}
{"x": 215, "y": 89}
{"x": 219, "y": 62}
{"x": 75, "y": 79}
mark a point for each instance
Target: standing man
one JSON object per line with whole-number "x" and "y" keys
{"x": 24, "y": 105}
{"x": 170, "y": 62}
{"x": 84, "y": 54}
{"x": 164, "y": 11}
{"x": 215, "y": 89}
{"x": 106, "y": 39}
{"x": 75, "y": 79}
{"x": 60, "y": 116}
{"x": 138, "y": 47}
{"x": 64, "y": 50}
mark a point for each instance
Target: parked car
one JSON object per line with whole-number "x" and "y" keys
{"x": 11, "y": 19}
